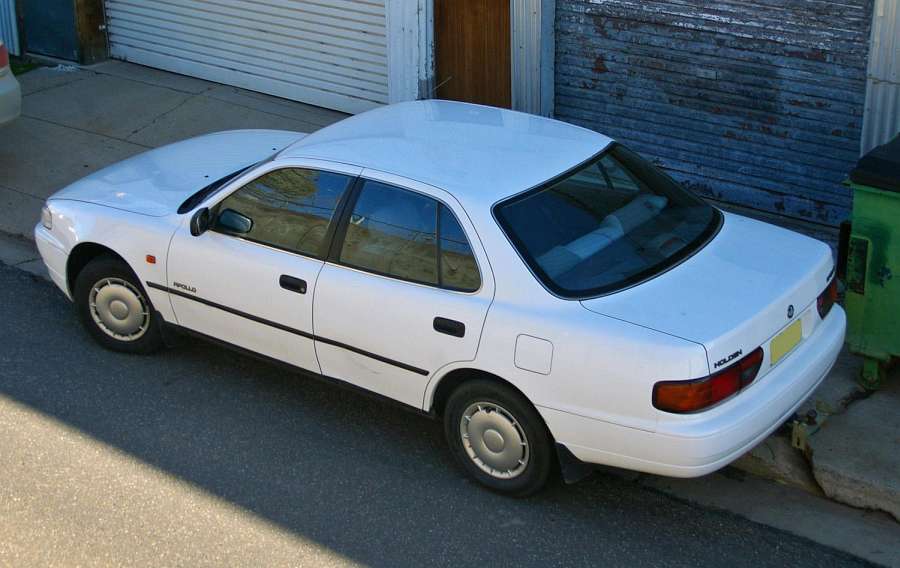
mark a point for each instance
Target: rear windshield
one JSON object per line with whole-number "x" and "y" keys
{"x": 609, "y": 224}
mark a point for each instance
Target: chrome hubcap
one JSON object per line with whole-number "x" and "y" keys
{"x": 494, "y": 440}
{"x": 119, "y": 309}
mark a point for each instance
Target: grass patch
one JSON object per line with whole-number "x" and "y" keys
{"x": 20, "y": 66}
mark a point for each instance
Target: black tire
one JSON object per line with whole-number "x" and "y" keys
{"x": 112, "y": 269}
{"x": 541, "y": 456}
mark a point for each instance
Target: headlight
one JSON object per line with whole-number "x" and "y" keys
{"x": 46, "y": 218}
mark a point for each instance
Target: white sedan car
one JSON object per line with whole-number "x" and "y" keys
{"x": 554, "y": 298}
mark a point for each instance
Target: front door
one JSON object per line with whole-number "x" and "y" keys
{"x": 249, "y": 280}
{"x": 472, "y": 51}
{"x": 401, "y": 295}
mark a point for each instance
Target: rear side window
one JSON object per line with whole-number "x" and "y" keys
{"x": 406, "y": 235}
{"x": 288, "y": 208}
{"x": 459, "y": 270}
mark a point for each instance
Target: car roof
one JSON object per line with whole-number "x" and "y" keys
{"x": 477, "y": 153}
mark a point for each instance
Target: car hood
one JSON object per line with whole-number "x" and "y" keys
{"x": 158, "y": 181}
{"x": 734, "y": 294}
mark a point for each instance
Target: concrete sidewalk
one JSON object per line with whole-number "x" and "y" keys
{"x": 76, "y": 121}
{"x": 853, "y": 450}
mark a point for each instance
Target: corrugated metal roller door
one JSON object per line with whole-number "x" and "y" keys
{"x": 330, "y": 53}
{"x": 757, "y": 104}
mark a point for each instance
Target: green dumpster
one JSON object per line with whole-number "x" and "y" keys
{"x": 869, "y": 258}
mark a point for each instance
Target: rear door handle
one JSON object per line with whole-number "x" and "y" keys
{"x": 450, "y": 327}
{"x": 293, "y": 284}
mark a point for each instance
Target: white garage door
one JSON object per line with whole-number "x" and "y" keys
{"x": 330, "y": 53}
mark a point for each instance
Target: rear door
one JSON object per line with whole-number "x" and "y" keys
{"x": 249, "y": 279}
{"x": 404, "y": 292}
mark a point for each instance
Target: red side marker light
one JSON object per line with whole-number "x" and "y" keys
{"x": 151, "y": 259}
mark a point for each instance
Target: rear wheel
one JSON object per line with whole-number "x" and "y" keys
{"x": 498, "y": 437}
{"x": 114, "y": 307}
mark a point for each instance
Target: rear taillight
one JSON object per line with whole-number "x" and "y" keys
{"x": 4, "y": 56}
{"x": 690, "y": 396}
{"x": 827, "y": 298}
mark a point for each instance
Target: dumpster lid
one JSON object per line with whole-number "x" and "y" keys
{"x": 880, "y": 167}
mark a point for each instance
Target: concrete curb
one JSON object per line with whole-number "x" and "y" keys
{"x": 856, "y": 456}
{"x": 776, "y": 458}
{"x": 868, "y": 535}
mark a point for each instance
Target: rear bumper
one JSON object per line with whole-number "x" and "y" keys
{"x": 10, "y": 98}
{"x": 694, "y": 445}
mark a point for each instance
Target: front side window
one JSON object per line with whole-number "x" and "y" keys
{"x": 614, "y": 222}
{"x": 288, "y": 208}
{"x": 400, "y": 233}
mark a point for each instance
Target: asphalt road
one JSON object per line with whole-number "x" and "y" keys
{"x": 199, "y": 456}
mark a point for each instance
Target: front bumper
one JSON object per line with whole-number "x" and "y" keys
{"x": 10, "y": 98}
{"x": 694, "y": 445}
{"x": 54, "y": 256}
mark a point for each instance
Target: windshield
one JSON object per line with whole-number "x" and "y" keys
{"x": 612, "y": 223}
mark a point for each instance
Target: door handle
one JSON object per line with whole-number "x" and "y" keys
{"x": 450, "y": 327}
{"x": 292, "y": 284}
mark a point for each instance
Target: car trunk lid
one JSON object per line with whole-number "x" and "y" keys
{"x": 748, "y": 284}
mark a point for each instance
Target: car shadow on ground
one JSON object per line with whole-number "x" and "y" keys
{"x": 366, "y": 479}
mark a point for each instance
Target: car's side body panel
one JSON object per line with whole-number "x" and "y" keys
{"x": 601, "y": 368}
{"x": 130, "y": 235}
{"x": 697, "y": 444}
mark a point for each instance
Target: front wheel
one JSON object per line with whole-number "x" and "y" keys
{"x": 114, "y": 307}
{"x": 498, "y": 437}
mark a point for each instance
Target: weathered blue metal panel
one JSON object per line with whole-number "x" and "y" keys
{"x": 758, "y": 103}
{"x": 50, "y": 28}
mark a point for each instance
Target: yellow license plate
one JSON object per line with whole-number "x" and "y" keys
{"x": 785, "y": 341}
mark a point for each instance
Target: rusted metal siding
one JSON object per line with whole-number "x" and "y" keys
{"x": 757, "y": 103}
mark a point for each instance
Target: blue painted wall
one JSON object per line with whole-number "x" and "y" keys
{"x": 50, "y": 28}
{"x": 758, "y": 104}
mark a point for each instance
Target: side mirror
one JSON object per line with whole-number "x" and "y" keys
{"x": 234, "y": 222}
{"x": 200, "y": 222}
